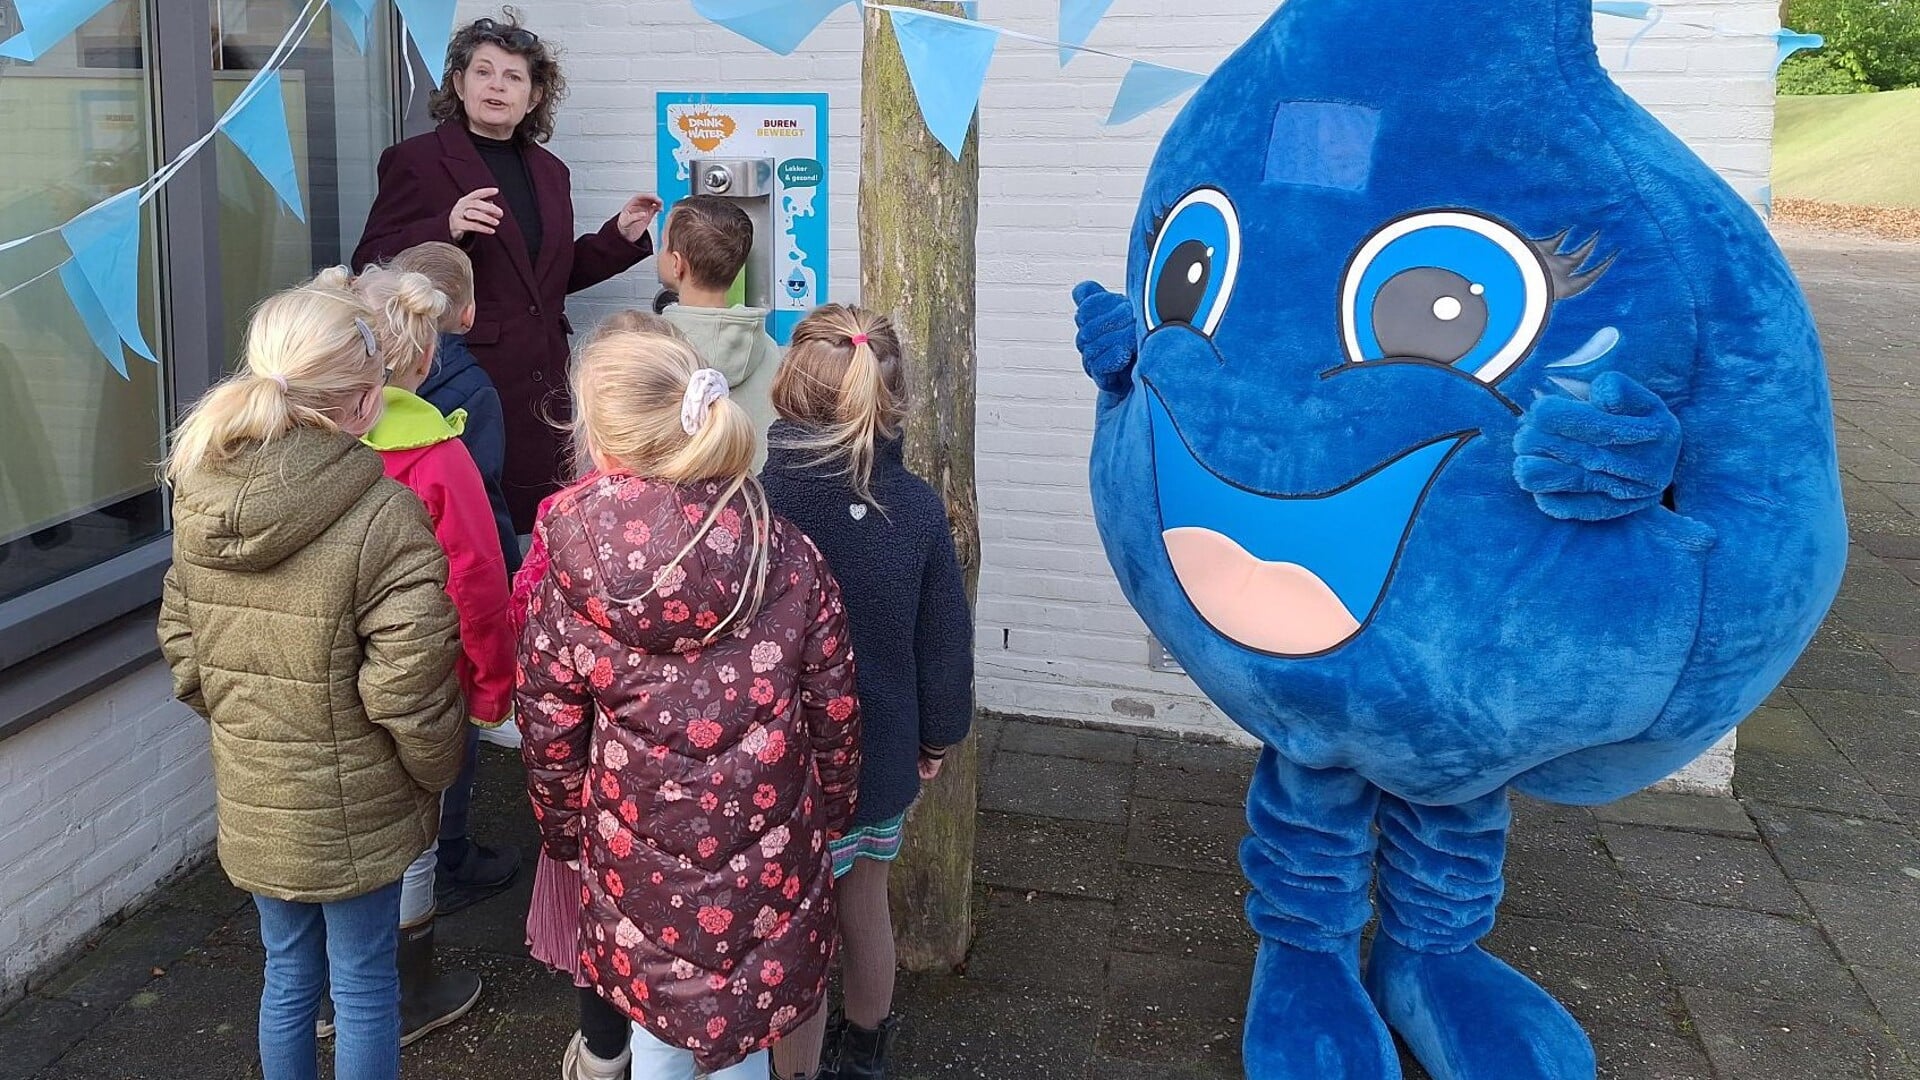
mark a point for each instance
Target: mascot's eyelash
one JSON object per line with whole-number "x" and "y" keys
{"x": 1564, "y": 266}
{"x": 1157, "y": 221}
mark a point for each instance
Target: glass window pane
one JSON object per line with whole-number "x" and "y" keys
{"x": 78, "y": 443}
{"x": 340, "y": 115}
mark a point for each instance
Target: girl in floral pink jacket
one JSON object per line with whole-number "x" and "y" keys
{"x": 691, "y": 733}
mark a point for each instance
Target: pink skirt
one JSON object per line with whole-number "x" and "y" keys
{"x": 553, "y": 919}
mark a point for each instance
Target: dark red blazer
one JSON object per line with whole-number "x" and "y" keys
{"x": 520, "y": 334}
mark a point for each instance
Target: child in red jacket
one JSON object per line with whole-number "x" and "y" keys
{"x": 469, "y": 871}
{"x": 421, "y": 449}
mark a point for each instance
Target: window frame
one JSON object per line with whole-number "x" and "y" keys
{"x": 96, "y": 608}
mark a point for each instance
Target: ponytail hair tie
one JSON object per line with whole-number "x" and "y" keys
{"x": 858, "y": 340}
{"x": 703, "y": 389}
{"x": 278, "y": 380}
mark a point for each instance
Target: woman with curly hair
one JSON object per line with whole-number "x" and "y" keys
{"x": 484, "y": 181}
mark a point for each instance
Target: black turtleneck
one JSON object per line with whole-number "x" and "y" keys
{"x": 509, "y": 168}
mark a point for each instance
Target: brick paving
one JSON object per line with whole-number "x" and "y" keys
{"x": 1769, "y": 937}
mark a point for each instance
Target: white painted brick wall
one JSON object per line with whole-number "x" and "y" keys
{"x": 1057, "y": 198}
{"x": 98, "y": 805}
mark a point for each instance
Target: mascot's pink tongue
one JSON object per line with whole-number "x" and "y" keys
{"x": 1275, "y": 607}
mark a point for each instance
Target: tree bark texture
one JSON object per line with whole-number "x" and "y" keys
{"x": 919, "y": 213}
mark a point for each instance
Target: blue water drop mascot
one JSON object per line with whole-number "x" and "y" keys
{"x": 1459, "y": 431}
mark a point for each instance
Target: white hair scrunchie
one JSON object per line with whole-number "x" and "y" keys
{"x": 703, "y": 389}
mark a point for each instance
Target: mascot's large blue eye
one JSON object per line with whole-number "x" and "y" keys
{"x": 1446, "y": 287}
{"x": 1196, "y": 258}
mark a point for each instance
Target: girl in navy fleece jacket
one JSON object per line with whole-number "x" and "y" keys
{"x": 834, "y": 469}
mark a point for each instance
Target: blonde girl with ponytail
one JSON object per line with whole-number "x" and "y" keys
{"x": 687, "y": 714}
{"x": 305, "y": 616}
{"x": 308, "y": 364}
{"x": 842, "y": 392}
{"x": 625, "y": 321}
{"x": 837, "y": 471}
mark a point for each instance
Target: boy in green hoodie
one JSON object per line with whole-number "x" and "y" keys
{"x": 708, "y": 242}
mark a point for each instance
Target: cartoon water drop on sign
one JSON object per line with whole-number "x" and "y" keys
{"x": 1460, "y": 432}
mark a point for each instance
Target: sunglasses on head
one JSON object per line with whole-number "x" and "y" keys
{"x": 513, "y": 37}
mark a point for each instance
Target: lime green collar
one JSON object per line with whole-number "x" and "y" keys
{"x": 409, "y": 422}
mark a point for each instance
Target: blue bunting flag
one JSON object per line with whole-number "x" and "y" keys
{"x": 46, "y": 23}
{"x": 258, "y": 126}
{"x": 1077, "y": 20}
{"x": 105, "y": 242}
{"x": 357, "y": 17}
{"x": 430, "y": 25}
{"x": 947, "y": 60}
{"x": 1147, "y": 87}
{"x": 779, "y": 25}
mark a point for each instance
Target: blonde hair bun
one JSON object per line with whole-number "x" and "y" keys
{"x": 409, "y": 309}
{"x": 416, "y": 294}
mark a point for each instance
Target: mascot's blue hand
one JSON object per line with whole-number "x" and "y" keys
{"x": 1107, "y": 340}
{"x": 1602, "y": 458}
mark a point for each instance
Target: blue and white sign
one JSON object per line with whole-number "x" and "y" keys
{"x": 791, "y": 129}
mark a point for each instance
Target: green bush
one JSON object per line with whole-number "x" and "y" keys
{"x": 1816, "y": 74}
{"x": 1877, "y": 42}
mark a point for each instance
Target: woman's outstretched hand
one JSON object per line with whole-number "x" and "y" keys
{"x": 474, "y": 214}
{"x": 637, "y": 216}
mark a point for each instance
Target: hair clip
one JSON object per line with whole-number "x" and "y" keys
{"x": 366, "y": 335}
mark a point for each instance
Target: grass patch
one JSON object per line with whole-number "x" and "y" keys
{"x": 1853, "y": 149}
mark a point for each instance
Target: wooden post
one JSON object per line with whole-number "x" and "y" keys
{"x": 919, "y": 212}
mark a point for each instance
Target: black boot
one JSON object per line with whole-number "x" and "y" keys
{"x": 429, "y": 1000}
{"x": 862, "y": 1052}
{"x": 481, "y": 873}
{"x": 830, "y": 1046}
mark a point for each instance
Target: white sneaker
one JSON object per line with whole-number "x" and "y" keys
{"x": 579, "y": 1063}
{"x": 507, "y": 735}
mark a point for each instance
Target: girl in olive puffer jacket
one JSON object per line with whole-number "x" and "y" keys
{"x": 306, "y": 616}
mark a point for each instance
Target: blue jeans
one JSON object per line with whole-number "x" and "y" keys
{"x": 353, "y": 941}
{"x": 655, "y": 1060}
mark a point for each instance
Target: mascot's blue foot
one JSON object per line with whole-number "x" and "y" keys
{"x": 1310, "y": 1019}
{"x": 1468, "y": 1016}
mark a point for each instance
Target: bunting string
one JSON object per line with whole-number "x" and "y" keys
{"x": 39, "y": 277}
{"x": 1064, "y": 46}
